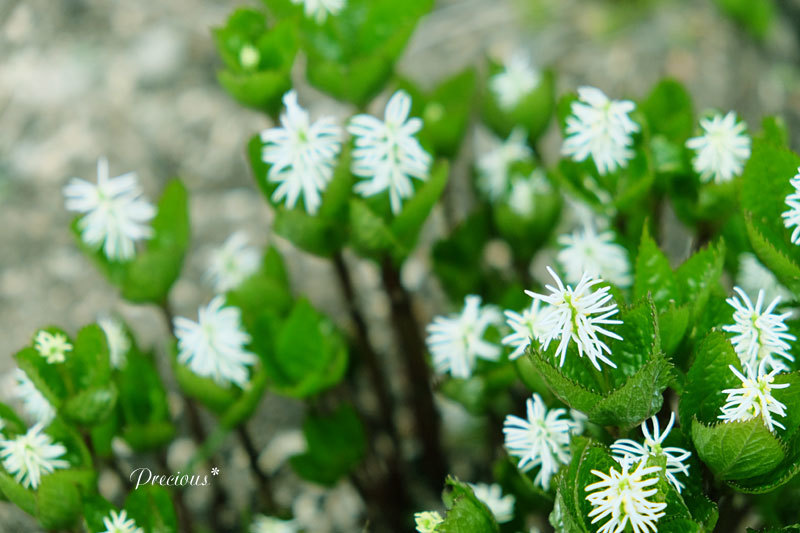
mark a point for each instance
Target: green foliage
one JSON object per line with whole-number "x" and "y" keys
{"x": 309, "y": 355}
{"x": 336, "y": 444}
{"x": 737, "y": 450}
{"x": 351, "y": 55}
{"x": 149, "y": 276}
{"x": 533, "y": 111}
{"x": 145, "y": 417}
{"x": 258, "y": 60}
{"x": 754, "y": 15}
{"x": 465, "y": 512}
{"x": 151, "y": 507}
{"x": 445, "y": 111}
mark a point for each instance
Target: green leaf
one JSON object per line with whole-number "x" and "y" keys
{"x": 638, "y": 399}
{"x": 445, "y": 111}
{"x": 698, "y": 276}
{"x": 737, "y": 450}
{"x": 336, "y": 445}
{"x": 370, "y": 234}
{"x": 89, "y": 364}
{"x": 464, "y": 246}
{"x": 466, "y": 513}
{"x": 268, "y": 288}
{"x": 244, "y": 407}
{"x": 44, "y": 376}
{"x": 91, "y": 406}
{"x": 673, "y": 323}
{"x": 765, "y": 185}
{"x": 653, "y": 274}
{"x": 58, "y": 501}
{"x": 708, "y": 376}
{"x": 216, "y": 397}
{"x": 779, "y": 476}
{"x": 351, "y": 55}
{"x": 150, "y": 506}
{"x": 258, "y": 60}
{"x": 754, "y": 15}
{"x": 12, "y": 423}
{"x": 95, "y": 508}
{"x": 23, "y": 498}
{"x": 533, "y": 112}
{"x": 669, "y": 112}
{"x": 146, "y": 420}
{"x": 309, "y": 354}
{"x": 569, "y": 391}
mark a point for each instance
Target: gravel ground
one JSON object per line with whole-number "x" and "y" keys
{"x": 136, "y": 81}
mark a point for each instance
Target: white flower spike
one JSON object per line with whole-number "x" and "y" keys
{"x": 627, "y": 450}
{"x": 232, "y": 263}
{"x": 579, "y": 315}
{"x": 301, "y": 155}
{"x": 427, "y": 521}
{"x": 759, "y": 335}
{"x": 269, "y": 524}
{"x": 791, "y": 217}
{"x": 587, "y": 251}
{"x": 600, "y": 128}
{"x": 455, "y": 342}
{"x": 754, "y": 398}
{"x": 622, "y": 496}
{"x": 34, "y": 403}
{"x": 494, "y": 166}
{"x": 722, "y": 150}
{"x": 320, "y": 9}
{"x": 502, "y": 507}
{"x": 540, "y": 440}
{"x": 515, "y": 82}
{"x": 52, "y": 346}
{"x": 525, "y": 326}
{"x": 120, "y": 523}
{"x": 214, "y": 346}
{"x": 116, "y": 214}
{"x": 31, "y": 456}
{"x": 386, "y": 152}
{"x": 118, "y": 342}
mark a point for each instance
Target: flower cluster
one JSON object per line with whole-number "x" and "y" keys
{"x": 52, "y": 346}
{"x": 754, "y": 398}
{"x": 495, "y": 165}
{"x": 587, "y": 251}
{"x": 31, "y": 456}
{"x": 722, "y": 150}
{"x": 517, "y": 79}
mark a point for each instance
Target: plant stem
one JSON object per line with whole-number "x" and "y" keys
{"x": 264, "y": 488}
{"x": 413, "y": 355}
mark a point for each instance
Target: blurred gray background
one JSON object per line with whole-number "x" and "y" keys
{"x": 135, "y": 81}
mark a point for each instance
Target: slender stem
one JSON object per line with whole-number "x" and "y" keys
{"x": 264, "y": 487}
{"x": 377, "y": 378}
{"x": 413, "y": 355}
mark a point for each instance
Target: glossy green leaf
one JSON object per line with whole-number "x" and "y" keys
{"x": 737, "y": 450}
{"x": 151, "y": 507}
{"x": 58, "y": 501}
{"x": 654, "y": 275}
{"x": 466, "y": 513}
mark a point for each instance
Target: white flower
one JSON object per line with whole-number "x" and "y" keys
{"x": 525, "y": 190}
{"x": 118, "y": 342}
{"x": 30, "y": 456}
{"x": 754, "y": 398}
{"x": 301, "y": 155}
{"x": 570, "y": 318}
{"x": 541, "y": 440}
{"x": 627, "y": 450}
{"x": 427, "y": 521}
{"x": 269, "y": 524}
{"x": 515, "y": 82}
{"x": 494, "y": 166}
{"x": 120, "y": 523}
{"x": 792, "y": 215}
{"x": 34, "y": 403}
{"x": 587, "y": 251}
{"x": 753, "y": 276}
{"x": 456, "y": 341}
{"x": 319, "y": 9}
{"x": 328, "y": 511}
{"x": 502, "y": 507}
{"x": 759, "y": 335}
{"x": 722, "y": 150}
{"x": 52, "y": 346}
{"x": 525, "y": 326}
{"x": 232, "y": 263}
{"x": 117, "y": 215}
{"x": 600, "y": 128}
{"x": 387, "y": 153}
{"x": 623, "y": 497}
{"x": 214, "y": 345}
